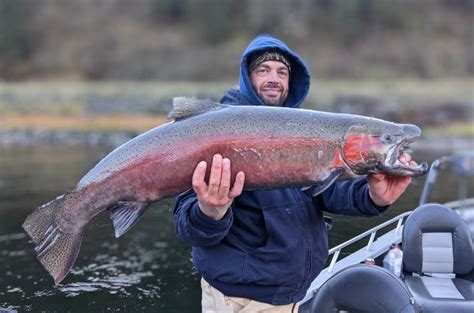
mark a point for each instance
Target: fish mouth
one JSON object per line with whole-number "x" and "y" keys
{"x": 392, "y": 165}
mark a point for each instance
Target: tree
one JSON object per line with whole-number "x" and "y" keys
{"x": 16, "y": 39}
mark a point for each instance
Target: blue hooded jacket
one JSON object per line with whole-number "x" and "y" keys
{"x": 299, "y": 80}
{"x": 270, "y": 244}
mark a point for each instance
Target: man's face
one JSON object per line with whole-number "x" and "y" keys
{"x": 270, "y": 80}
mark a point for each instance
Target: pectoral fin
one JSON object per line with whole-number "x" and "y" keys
{"x": 125, "y": 214}
{"x": 317, "y": 189}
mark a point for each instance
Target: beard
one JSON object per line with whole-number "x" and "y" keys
{"x": 273, "y": 100}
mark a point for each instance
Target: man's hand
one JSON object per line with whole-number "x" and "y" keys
{"x": 215, "y": 199}
{"x": 385, "y": 190}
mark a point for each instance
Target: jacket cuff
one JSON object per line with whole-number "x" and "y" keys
{"x": 209, "y": 225}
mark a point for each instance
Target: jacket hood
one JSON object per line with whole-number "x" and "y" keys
{"x": 299, "y": 78}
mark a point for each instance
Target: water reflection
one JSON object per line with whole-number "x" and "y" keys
{"x": 110, "y": 274}
{"x": 146, "y": 270}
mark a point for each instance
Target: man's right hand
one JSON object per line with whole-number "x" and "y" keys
{"x": 215, "y": 199}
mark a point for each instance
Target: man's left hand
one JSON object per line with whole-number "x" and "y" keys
{"x": 385, "y": 190}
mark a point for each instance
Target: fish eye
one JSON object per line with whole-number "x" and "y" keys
{"x": 388, "y": 138}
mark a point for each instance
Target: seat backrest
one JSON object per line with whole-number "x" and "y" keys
{"x": 436, "y": 240}
{"x": 363, "y": 288}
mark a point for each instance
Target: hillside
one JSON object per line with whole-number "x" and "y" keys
{"x": 191, "y": 40}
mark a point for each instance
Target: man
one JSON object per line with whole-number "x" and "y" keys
{"x": 259, "y": 250}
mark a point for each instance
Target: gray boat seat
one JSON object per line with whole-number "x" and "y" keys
{"x": 437, "y": 251}
{"x": 363, "y": 288}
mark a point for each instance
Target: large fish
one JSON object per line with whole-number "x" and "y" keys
{"x": 275, "y": 147}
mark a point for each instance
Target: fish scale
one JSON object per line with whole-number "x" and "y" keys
{"x": 275, "y": 147}
{"x": 262, "y": 121}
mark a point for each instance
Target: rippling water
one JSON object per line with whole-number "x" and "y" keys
{"x": 146, "y": 270}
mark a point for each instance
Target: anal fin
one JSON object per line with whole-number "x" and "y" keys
{"x": 125, "y": 214}
{"x": 317, "y": 189}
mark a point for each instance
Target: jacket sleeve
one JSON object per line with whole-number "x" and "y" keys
{"x": 349, "y": 197}
{"x": 195, "y": 227}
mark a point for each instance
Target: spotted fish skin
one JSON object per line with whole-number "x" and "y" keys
{"x": 274, "y": 147}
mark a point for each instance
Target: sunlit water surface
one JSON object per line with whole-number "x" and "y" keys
{"x": 149, "y": 269}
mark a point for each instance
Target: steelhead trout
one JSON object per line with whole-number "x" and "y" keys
{"x": 275, "y": 147}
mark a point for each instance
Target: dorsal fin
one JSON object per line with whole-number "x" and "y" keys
{"x": 186, "y": 107}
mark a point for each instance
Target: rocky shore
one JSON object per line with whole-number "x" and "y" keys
{"x": 34, "y": 137}
{"x": 109, "y": 114}
{"x": 112, "y": 139}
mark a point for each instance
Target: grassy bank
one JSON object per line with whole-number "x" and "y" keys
{"x": 440, "y": 106}
{"x": 80, "y": 122}
{"x": 154, "y": 97}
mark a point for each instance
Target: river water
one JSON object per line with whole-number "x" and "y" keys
{"x": 147, "y": 270}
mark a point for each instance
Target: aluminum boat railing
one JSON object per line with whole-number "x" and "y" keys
{"x": 375, "y": 247}
{"x": 372, "y": 232}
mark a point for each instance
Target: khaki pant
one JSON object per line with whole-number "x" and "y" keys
{"x": 214, "y": 301}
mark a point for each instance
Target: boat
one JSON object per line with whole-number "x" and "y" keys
{"x": 437, "y": 267}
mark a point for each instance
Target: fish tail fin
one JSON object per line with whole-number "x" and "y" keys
{"x": 56, "y": 250}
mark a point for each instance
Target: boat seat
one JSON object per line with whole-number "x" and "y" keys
{"x": 437, "y": 252}
{"x": 363, "y": 288}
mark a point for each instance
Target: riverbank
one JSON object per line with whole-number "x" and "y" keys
{"x": 456, "y": 137}
{"x": 155, "y": 97}
{"x": 110, "y": 113}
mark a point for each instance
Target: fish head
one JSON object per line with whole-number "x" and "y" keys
{"x": 375, "y": 148}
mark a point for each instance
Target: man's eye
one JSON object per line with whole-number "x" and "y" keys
{"x": 261, "y": 72}
{"x": 283, "y": 73}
